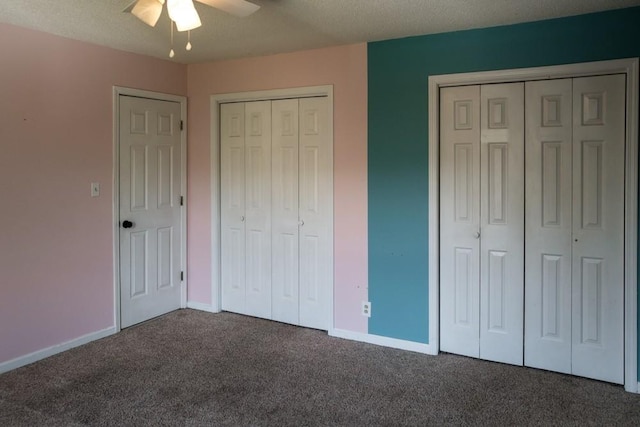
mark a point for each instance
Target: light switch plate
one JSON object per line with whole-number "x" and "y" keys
{"x": 95, "y": 189}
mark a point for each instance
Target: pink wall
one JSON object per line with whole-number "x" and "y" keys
{"x": 56, "y": 244}
{"x": 345, "y": 68}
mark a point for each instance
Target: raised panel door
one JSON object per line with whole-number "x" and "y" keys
{"x": 258, "y": 208}
{"x": 315, "y": 210}
{"x": 502, "y": 222}
{"x": 149, "y": 168}
{"x": 232, "y": 207}
{"x": 285, "y": 204}
{"x": 548, "y": 224}
{"x": 460, "y": 220}
{"x": 598, "y": 228}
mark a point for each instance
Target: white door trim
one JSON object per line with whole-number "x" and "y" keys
{"x": 182, "y": 100}
{"x": 216, "y": 100}
{"x": 619, "y": 66}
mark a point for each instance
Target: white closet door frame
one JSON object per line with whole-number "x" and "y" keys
{"x": 629, "y": 67}
{"x": 216, "y": 101}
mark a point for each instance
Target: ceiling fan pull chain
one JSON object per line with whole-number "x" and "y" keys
{"x": 188, "y": 40}
{"x": 171, "y": 52}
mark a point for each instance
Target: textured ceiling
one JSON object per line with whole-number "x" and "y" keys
{"x": 282, "y": 25}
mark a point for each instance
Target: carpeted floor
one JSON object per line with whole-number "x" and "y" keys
{"x": 199, "y": 369}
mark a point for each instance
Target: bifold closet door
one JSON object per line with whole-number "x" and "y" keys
{"x": 285, "y": 225}
{"x": 598, "y": 227}
{"x": 258, "y": 207}
{"x": 573, "y": 308}
{"x": 232, "y": 207}
{"x": 460, "y": 220}
{"x": 315, "y": 212}
{"x": 246, "y": 207}
{"x": 276, "y": 210}
{"x": 548, "y": 260}
{"x": 302, "y": 209}
{"x": 575, "y": 239}
{"x": 502, "y": 222}
{"x": 482, "y": 221}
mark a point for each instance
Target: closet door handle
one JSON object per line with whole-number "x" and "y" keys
{"x": 301, "y": 223}
{"x": 242, "y": 218}
{"x": 476, "y": 235}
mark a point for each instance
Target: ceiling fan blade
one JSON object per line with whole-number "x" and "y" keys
{"x": 239, "y": 8}
{"x": 148, "y": 11}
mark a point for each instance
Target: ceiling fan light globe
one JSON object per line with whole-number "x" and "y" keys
{"x": 184, "y": 14}
{"x": 188, "y": 25}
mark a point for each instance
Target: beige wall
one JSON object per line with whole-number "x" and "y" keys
{"x": 56, "y": 242}
{"x": 56, "y": 133}
{"x": 345, "y": 68}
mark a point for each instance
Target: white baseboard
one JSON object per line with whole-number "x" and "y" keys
{"x": 54, "y": 349}
{"x": 384, "y": 341}
{"x": 202, "y": 307}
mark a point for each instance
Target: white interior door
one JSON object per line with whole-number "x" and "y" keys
{"x": 232, "y": 206}
{"x": 598, "y": 227}
{"x": 502, "y": 222}
{"x": 460, "y": 220}
{"x": 548, "y": 221}
{"x": 285, "y": 203}
{"x": 258, "y": 208}
{"x": 150, "y": 233}
{"x": 315, "y": 212}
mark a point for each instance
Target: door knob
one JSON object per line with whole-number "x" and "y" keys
{"x": 476, "y": 234}
{"x": 242, "y": 218}
{"x": 301, "y": 223}
{"x": 127, "y": 224}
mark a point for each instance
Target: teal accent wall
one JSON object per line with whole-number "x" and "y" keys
{"x": 398, "y": 72}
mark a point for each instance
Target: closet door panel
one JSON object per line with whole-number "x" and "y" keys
{"x": 598, "y": 227}
{"x": 502, "y": 222}
{"x": 232, "y": 206}
{"x": 548, "y": 225}
{"x": 285, "y": 202}
{"x": 460, "y": 220}
{"x": 258, "y": 208}
{"x": 315, "y": 210}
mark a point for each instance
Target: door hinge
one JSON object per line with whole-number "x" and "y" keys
{"x": 181, "y": 200}
{"x": 182, "y": 276}
{"x": 181, "y": 125}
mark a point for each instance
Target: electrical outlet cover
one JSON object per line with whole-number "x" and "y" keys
{"x": 366, "y": 308}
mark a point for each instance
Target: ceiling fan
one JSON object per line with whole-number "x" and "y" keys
{"x": 183, "y": 13}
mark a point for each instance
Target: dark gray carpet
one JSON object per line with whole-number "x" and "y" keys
{"x": 193, "y": 368}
